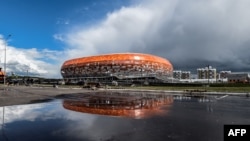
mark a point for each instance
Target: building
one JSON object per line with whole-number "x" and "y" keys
{"x": 119, "y": 67}
{"x": 1, "y": 75}
{"x": 238, "y": 78}
{"x": 186, "y": 75}
{"x": 181, "y": 74}
{"x": 206, "y": 73}
{"x": 224, "y": 74}
{"x": 177, "y": 74}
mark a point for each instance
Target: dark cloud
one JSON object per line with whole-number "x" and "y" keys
{"x": 191, "y": 34}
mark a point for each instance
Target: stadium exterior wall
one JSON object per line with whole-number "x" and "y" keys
{"x": 120, "y": 66}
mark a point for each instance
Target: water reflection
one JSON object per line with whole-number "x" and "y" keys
{"x": 189, "y": 118}
{"x": 201, "y": 99}
{"x": 136, "y": 106}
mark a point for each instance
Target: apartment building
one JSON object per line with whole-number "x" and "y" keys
{"x": 206, "y": 73}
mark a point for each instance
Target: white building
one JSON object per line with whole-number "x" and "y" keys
{"x": 177, "y": 74}
{"x": 224, "y": 74}
{"x": 206, "y": 73}
{"x": 186, "y": 75}
{"x": 181, "y": 74}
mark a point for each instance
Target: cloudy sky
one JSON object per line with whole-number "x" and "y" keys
{"x": 189, "y": 33}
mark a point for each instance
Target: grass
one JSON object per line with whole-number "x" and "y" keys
{"x": 209, "y": 89}
{"x": 240, "y": 89}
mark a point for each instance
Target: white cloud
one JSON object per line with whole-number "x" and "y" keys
{"x": 111, "y": 35}
{"x": 20, "y": 112}
{"x": 189, "y": 33}
{"x": 58, "y": 37}
{"x": 31, "y": 61}
{"x": 121, "y": 31}
{"x": 125, "y": 27}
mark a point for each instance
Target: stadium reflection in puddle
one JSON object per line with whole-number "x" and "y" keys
{"x": 123, "y": 116}
{"x": 124, "y": 105}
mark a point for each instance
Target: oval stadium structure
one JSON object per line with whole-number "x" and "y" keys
{"x": 119, "y": 67}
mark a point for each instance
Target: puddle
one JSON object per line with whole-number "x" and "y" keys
{"x": 123, "y": 106}
{"x": 123, "y": 117}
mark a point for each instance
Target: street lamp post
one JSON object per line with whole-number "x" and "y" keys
{"x": 5, "y": 48}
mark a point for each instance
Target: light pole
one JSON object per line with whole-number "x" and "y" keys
{"x": 5, "y": 48}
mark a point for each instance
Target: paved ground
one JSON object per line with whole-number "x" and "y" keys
{"x": 16, "y": 95}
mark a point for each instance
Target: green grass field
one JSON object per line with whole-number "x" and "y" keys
{"x": 216, "y": 88}
{"x": 223, "y": 88}
{"x": 209, "y": 89}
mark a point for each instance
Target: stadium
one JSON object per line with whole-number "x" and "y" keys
{"x": 120, "y": 67}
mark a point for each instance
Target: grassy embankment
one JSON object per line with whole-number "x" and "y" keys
{"x": 226, "y": 87}
{"x": 209, "y": 89}
{"x": 241, "y": 88}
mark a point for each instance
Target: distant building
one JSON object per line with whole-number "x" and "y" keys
{"x": 206, "y": 73}
{"x": 178, "y": 74}
{"x": 1, "y": 75}
{"x": 224, "y": 74}
{"x": 238, "y": 78}
{"x": 186, "y": 75}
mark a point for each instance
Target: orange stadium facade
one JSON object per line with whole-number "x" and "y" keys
{"x": 120, "y": 66}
